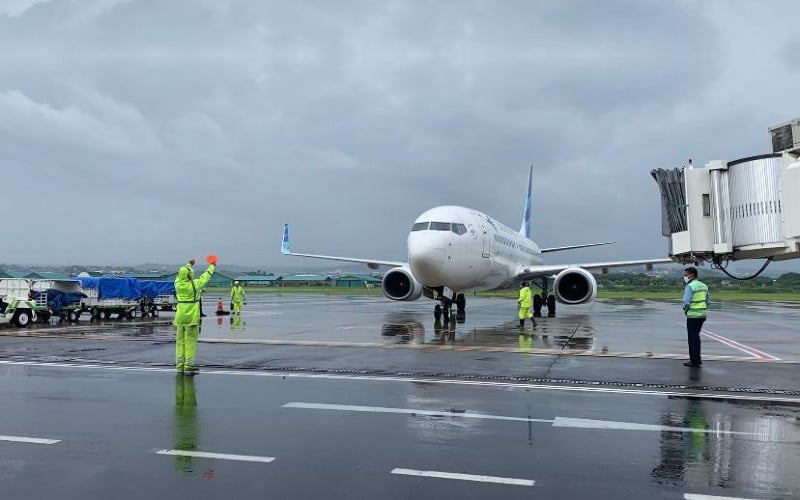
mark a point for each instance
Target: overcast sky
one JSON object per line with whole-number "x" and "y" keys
{"x": 139, "y": 131}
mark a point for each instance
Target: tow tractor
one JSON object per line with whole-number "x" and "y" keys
{"x": 16, "y": 304}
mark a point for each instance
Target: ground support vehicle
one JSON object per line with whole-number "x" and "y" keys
{"x": 157, "y": 295}
{"x": 61, "y": 298}
{"x": 107, "y": 297}
{"x": 16, "y": 304}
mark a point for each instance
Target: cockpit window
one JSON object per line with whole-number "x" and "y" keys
{"x": 420, "y": 226}
{"x": 459, "y": 229}
{"x": 440, "y": 226}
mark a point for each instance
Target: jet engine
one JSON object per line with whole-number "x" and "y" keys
{"x": 575, "y": 285}
{"x": 399, "y": 284}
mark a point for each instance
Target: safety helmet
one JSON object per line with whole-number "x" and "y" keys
{"x": 235, "y": 282}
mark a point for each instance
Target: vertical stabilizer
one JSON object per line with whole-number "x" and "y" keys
{"x": 525, "y": 230}
{"x": 285, "y": 248}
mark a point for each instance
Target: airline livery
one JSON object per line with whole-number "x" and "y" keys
{"x": 455, "y": 249}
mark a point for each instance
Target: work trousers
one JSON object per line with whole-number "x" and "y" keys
{"x": 693, "y": 327}
{"x": 186, "y": 347}
{"x": 237, "y": 307}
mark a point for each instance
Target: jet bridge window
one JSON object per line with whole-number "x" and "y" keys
{"x": 440, "y": 226}
{"x": 420, "y": 226}
{"x": 459, "y": 229}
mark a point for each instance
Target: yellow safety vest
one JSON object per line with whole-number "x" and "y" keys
{"x": 698, "y": 305}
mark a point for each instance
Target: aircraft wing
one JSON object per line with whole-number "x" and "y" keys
{"x": 372, "y": 263}
{"x": 532, "y": 272}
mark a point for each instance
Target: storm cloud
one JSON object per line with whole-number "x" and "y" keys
{"x": 135, "y": 131}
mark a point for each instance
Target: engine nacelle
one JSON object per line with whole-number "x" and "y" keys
{"x": 399, "y": 284}
{"x": 575, "y": 286}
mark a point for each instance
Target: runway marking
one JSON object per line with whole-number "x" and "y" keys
{"x": 371, "y": 378}
{"x": 692, "y": 496}
{"x": 464, "y": 477}
{"x": 756, "y": 353}
{"x": 582, "y": 423}
{"x": 752, "y": 351}
{"x": 22, "y": 439}
{"x": 563, "y": 422}
{"x": 219, "y": 456}
{"x": 409, "y": 411}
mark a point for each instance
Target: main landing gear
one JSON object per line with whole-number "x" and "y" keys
{"x": 444, "y": 310}
{"x": 544, "y": 300}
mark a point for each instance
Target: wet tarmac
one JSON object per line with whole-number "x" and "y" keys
{"x": 734, "y": 331}
{"x": 92, "y": 433}
{"x": 359, "y": 397}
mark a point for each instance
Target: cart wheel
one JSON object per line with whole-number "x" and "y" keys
{"x": 22, "y": 318}
{"x": 130, "y": 314}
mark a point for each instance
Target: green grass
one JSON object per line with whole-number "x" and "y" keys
{"x": 677, "y": 294}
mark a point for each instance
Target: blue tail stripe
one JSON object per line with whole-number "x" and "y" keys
{"x": 285, "y": 244}
{"x": 526, "y": 221}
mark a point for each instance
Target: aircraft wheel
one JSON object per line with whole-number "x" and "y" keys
{"x": 437, "y": 312}
{"x": 551, "y": 305}
{"x": 461, "y": 302}
{"x": 537, "y": 305}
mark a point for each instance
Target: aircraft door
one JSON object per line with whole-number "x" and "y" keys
{"x": 487, "y": 243}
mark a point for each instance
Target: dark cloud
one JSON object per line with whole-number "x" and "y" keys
{"x": 186, "y": 127}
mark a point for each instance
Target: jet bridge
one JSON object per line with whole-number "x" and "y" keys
{"x": 747, "y": 208}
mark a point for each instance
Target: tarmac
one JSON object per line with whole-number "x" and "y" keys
{"x": 313, "y": 396}
{"x": 748, "y": 348}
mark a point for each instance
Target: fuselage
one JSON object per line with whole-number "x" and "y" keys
{"x": 464, "y": 249}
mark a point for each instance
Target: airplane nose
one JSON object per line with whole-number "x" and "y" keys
{"x": 426, "y": 259}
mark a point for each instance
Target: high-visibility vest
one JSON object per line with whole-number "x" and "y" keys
{"x": 698, "y": 305}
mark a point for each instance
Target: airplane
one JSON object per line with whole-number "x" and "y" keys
{"x": 454, "y": 249}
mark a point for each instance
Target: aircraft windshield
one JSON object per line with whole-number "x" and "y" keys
{"x": 440, "y": 226}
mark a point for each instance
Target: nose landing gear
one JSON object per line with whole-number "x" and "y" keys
{"x": 444, "y": 309}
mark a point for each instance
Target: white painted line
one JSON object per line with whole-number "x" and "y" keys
{"x": 464, "y": 477}
{"x": 692, "y": 496}
{"x": 751, "y": 351}
{"x": 22, "y": 439}
{"x": 416, "y": 380}
{"x": 582, "y": 423}
{"x": 409, "y": 411}
{"x": 219, "y": 456}
{"x": 742, "y": 347}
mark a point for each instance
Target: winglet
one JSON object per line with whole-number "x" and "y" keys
{"x": 525, "y": 230}
{"x": 285, "y": 248}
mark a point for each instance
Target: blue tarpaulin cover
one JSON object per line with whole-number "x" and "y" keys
{"x": 114, "y": 288}
{"x": 56, "y": 299}
{"x": 152, "y": 289}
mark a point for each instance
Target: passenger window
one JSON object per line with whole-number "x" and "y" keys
{"x": 440, "y": 226}
{"x": 420, "y": 226}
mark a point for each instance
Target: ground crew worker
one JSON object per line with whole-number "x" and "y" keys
{"x": 695, "y": 303}
{"x": 237, "y": 297}
{"x": 525, "y": 303}
{"x": 187, "y": 315}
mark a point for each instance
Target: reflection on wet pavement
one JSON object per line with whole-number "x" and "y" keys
{"x": 604, "y": 327}
{"x": 760, "y": 459}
